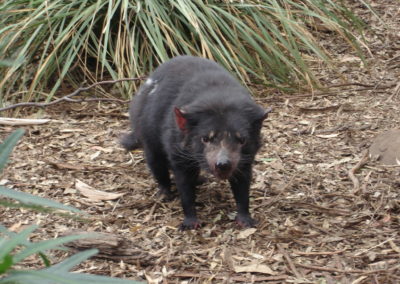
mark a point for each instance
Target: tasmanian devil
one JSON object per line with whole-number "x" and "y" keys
{"x": 191, "y": 114}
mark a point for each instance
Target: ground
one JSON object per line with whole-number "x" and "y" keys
{"x": 315, "y": 224}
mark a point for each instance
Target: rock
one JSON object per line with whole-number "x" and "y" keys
{"x": 386, "y": 147}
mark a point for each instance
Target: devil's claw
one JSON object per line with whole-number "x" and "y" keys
{"x": 245, "y": 221}
{"x": 190, "y": 224}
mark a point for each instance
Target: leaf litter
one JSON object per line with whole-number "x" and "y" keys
{"x": 314, "y": 225}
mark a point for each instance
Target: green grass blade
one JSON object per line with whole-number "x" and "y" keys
{"x": 59, "y": 274}
{"x": 34, "y": 200}
{"x": 8, "y": 145}
{"x": 72, "y": 261}
{"x": 5, "y": 263}
{"x": 9, "y": 244}
{"x": 46, "y": 277}
{"x": 46, "y": 245}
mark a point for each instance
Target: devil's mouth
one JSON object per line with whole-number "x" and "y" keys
{"x": 222, "y": 174}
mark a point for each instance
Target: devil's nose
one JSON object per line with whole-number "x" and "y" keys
{"x": 224, "y": 165}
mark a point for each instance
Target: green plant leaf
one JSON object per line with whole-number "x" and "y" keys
{"x": 58, "y": 274}
{"x": 46, "y": 277}
{"x": 8, "y": 145}
{"x": 9, "y": 244}
{"x": 45, "y": 259}
{"x": 11, "y": 235}
{"x": 4, "y": 230}
{"x": 34, "y": 248}
{"x": 73, "y": 260}
{"x": 34, "y": 200}
{"x": 5, "y": 263}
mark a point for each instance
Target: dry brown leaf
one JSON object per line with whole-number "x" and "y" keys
{"x": 102, "y": 149}
{"x": 94, "y": 194}
{"x": 246, "y": 233}
{"x": 255, "y": 267}
{"x": 327, "y": 136}
{"x": 69, "y": 130}
{"x": 350, "y": 58}
{"x": 95, "y": 155}
{"x": 335, "y": 163}
{"x": 69, "y": 191}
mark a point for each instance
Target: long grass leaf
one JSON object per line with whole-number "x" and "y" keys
{"x": 8, "y": 145}
{"x": 34, "y": 200}
{"x": 46, "y": 245}
{"x": 9, "y": 244}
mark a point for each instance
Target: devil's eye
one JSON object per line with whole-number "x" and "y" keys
{"x": 205, "y": 139}
{"x": 241, "y": 140}
{"x": 209, "y": 138}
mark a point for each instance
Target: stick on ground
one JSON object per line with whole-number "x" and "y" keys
{"x": 351, "y": 173}
{"x": 76, "y": 92}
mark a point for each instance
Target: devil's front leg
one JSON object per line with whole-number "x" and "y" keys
{"x": 186, "y": 178}
{"x": 240, "y": 185}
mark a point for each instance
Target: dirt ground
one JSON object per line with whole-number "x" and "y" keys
{"x": 315, "y": 225}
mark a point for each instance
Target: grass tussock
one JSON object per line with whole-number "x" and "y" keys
{"x": 46, "y": 43}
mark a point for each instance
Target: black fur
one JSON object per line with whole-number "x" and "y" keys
{"x": 212, "y": 102}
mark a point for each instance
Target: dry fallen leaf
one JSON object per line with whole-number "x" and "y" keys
{"x": 73, "y": 130}
{"x": 95, "y": 155}
{"x": 326, "y": 136}
{"x": 350, "y": 58}
{"x": 335, "y": 163}
{"x": 94, "y": 194}
{"x": 69, "y": 191}
{"x": 102, "y": 149}
{"x": 246, "y": 233}
{"x": 255, "y": 267}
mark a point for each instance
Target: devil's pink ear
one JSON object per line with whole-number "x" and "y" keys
{"x": 180, "y": 118}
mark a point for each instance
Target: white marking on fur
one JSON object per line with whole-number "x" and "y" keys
{"x": 153, "y": 90}
{"x": 149, "y": 81}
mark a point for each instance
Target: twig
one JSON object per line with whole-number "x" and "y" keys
{"x": 96, "y": 100}
{"x": 329, "y": 269}
{"x": 76, "y": 92}
{"x": 349, "y": 84}
{"x": 289, "y": 261}
{"x": 371, "y": 248}
{"x": 323, "y": 94}
{"x": 312, "y": 253}
{"x": 351, "y": 173}
{"x": 323, "y": 131}
{"x": 394, "y": 246}
{"x": 188, "y": 274}
{"x": 315, "y": 226}
{"x": 327, "y": 210}
{"x": 21, "y": 121}
{"x": 396, "y": 91}
{"x": 334, "y": 129}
